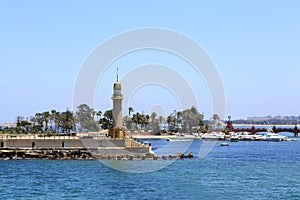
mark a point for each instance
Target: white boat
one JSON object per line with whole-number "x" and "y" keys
{"x": 271, "y": 136}
{"x": 214, "y": 136}
{"x": 257, "y": 138}
{"x": 234, "y": 137}
{"x": 246, "y": 136}
{"x": 179, "y": 140}
{"x": 224, "y": 144}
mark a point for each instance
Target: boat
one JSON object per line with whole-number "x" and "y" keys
{"x": 271, "y": 136}
{"x": 154, "y": 148}
{"x": 214, "y": 136}
{"x": 246, "y": 136}
{"x": 179, "y": 140}
{"x": 224, "y": 144}
{"x": 257, "y": 138}
{"x": 234, "y": 137}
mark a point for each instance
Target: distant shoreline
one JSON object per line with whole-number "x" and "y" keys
{"x": 264, "y": 125}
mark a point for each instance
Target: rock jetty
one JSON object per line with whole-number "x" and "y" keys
{"x": 79, "y": 154}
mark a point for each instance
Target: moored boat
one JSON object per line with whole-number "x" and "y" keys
{"x": 234, "y": 137}
{"x": 214, "y": 136}
{"x": 224, "y": 144}
{"x": 271, "y": 136}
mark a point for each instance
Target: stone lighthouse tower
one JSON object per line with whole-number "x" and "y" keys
{"x": 117, "y": 97}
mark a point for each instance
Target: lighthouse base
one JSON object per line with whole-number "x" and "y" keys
{"x": 116, "y": 133}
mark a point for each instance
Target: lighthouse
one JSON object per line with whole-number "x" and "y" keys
{"x": 117, "y": 97}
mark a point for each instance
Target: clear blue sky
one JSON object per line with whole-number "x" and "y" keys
{"x": 254, "y": 44}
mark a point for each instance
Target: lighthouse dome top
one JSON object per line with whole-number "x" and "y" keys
{"x": 117, "y": 86}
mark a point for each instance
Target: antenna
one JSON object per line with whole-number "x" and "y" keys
{"x": 117, "y": 74}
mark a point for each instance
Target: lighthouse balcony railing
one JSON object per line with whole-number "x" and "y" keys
{"x": 117, "y": 96}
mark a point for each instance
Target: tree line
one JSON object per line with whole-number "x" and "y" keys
{"x": 87, "y": 119}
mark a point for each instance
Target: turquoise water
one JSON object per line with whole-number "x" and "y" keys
{"x": 244, "y": 170}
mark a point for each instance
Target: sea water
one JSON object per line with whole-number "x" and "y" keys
{"x": 243, "y": 170}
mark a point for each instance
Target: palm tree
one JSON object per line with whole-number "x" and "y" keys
{"x": 215, "y": 118}
{"x": 201, "y": 121}
{"x": 130, "y": 110}
{"x": 99, "y": 113}
{"x": 137, "y": 119}
{"x": 39, "y": 119}
{"x": 67, "y": 120}
{"x": 179, "y": 118}
{"x": 55, "y": 117}
{"x": 161, "y": 119}
{"x": 106, "y": 121}
{"x": 153, "y": 116}
{"x": 46, "y": 118}
{"x": 146, "y": 120}
{"x": 170, "y": 120}
{"x": 93, "y": 113}
{"x": 219, "y": 124}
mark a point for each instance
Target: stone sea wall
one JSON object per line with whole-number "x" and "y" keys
{"x": 67, "y": 142}
{"x": 71, "y": 148}
{"x": 71, "y": 153}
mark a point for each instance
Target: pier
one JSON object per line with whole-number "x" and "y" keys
{"x": 253, "y": 130}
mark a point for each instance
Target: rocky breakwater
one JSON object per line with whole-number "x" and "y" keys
{"x": 78, "y": 154}
{"x": 52, "y": 154}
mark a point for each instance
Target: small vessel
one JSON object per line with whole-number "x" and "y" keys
{"x": 214, "y": 136}
{"x": 179, "y": 140}
{"x": 234, "y": 138}
{"x": 224, "y": 144}
{"x": 257, "y": 138}
{"x": 271, "y": 136}
{"x": 154, "y": 148}
{"x": 246, "y": 136}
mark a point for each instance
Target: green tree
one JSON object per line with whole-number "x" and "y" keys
{"x": 55, "y": 117}
{"x": 191, "y": 118}
{"x": 171, "y": 121}
{"x": 128, "y": 122}
{"x": 216, "y": 120}
{"x": 178, "y": 118}
{"x": 161, "y": 119}
{"x": 18, "y": 127}
{"x": 67, "y": 121}
{"x": 99, "y": 113}
{"x": 137, "y": 119}
{"x": 145, "y": 121}
{"x": 46, "y": 118}
{"x": 153, "y": 118}
{"x": 85, "y": 116}
{"x": 39, "y": 119}
{"x": 107, "y": 120}
{"x": 130, "y": 110}
{"x": 26, "y": 126}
